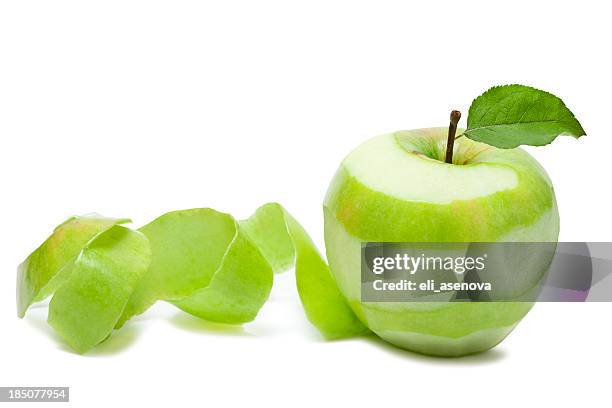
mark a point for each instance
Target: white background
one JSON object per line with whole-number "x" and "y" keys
{"x": 136, "y": 108}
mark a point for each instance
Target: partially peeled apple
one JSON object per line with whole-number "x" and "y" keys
{"x": 398, "y": 188}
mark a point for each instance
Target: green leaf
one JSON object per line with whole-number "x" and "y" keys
{"x": 512, "y": 115}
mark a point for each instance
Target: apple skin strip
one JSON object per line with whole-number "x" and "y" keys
{"x": 201, "y": 260}
{"x": 237, "y": 291}
{"x": 85, "y": 309}
{"x": 43, "y": 271}
{"x": 205, "y": 265}
{"x": 233, "y": 281}
{"x": 274, "y": 230}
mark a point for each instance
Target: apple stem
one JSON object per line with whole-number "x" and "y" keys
{"x": 452, "y": 130}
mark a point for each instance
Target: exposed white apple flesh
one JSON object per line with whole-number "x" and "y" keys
{"x": 397, "y": 188}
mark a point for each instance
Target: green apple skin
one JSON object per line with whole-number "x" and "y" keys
{"x": 397, "y": 188}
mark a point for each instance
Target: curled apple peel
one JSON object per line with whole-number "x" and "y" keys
{"x": 204, "y": 262}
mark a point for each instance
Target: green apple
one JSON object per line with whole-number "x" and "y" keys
{"x": 398, "y": 188}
